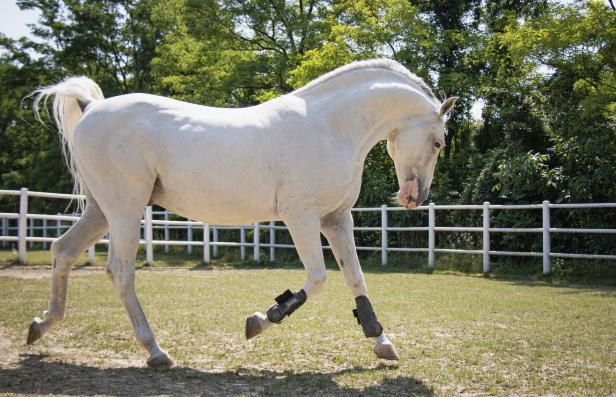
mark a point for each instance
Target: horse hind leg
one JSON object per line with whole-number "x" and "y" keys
{"x": 64, "y": 252}
{"x": 124, "y": 234}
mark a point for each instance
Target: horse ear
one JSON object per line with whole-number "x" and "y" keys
{"x": 446, "y": 107}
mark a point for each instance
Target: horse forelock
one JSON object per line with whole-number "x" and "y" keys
{"x": 385, "y": 64}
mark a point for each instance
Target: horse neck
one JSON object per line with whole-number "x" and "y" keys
{"x": 368, "y": 114}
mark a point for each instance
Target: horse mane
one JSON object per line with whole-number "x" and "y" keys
{"x": 386, "y": 64}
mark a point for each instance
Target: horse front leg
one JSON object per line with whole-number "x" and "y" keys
{"x": 304, "y": 230}
{"x": 338, "y": 229}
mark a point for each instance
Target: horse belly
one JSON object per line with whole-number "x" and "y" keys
{"x": 209, "y": 206}
{"x": 216, "y": 189}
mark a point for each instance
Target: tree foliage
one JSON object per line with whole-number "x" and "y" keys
{"x": 545, "y": 72}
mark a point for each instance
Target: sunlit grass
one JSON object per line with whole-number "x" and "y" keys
{"x": 455, "y": 335}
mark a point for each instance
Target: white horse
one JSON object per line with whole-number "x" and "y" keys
{"x": 296, "y": 159}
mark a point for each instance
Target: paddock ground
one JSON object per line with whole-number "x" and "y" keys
{"x": 456, "y": 335}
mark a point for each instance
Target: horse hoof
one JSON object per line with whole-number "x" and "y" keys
{"x": 161, "y": 361}
{"x": 386, "y": 352}
{"x": 384, "y": 349}
{"x": 34, "y": 332}
{"x": 253, "y": 326}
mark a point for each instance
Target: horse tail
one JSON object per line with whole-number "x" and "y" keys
{"x": 71, "y": 97}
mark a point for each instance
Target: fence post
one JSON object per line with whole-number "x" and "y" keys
{"x": 215, "y": 239}
{"x": 272, "y": 241}
{"x": 31, "y": 232}
{"x": 384, "y": 234}
{"x": 431, "y": 223}
{"x": 166, "y": 232}
{"x": 206, "y": 243}
{"x": 242, "y": 242}
{"x": 5, "y": 230}
{"x": 92, "y": 254}
{"x": 189, "y": 237}
{"x": 58, "y": 226}
{"x": 546, "y": 237}
{"x": 256, "y": 247}
{"x": 149, "y": 252}
{"x": 486, "y": 237}
{"x": 22, "y": 224}
{"x": 44, "y": 233}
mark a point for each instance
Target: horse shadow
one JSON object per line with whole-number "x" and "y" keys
{"x": 563, "y": 287}
{"x": 35, "y": 375}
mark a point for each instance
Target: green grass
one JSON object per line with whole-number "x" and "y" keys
{"x": 455, "y": 335}
{"x": 42, "y": 257}
{"x": 564, "y": 271}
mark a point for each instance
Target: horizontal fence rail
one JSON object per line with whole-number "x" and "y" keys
{"x": 25, "y": 229}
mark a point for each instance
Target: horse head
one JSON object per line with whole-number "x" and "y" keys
{"x": 414, "y": 147}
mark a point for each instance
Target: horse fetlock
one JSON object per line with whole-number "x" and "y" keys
{"x": 286, "y": 303}
{"x": 147, "y": 341}
{"x": 366, "y": 318}
{"x": 53, "y": 316}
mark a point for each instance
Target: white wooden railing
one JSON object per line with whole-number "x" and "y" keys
{"x": 25, "y": 231}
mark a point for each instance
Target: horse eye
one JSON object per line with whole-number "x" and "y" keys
{"x": 437, "y": 144}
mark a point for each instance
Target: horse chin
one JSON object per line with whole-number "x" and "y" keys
{"x": 408, "y": 204}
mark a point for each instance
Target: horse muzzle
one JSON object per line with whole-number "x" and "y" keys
{"x": 410, "y": 194}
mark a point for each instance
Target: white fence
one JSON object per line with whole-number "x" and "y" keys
{"x": 25, "y": 231}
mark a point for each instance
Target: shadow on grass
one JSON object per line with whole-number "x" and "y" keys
{"x": 329, "y": 265}
{"x": 567, "y": 287}
{"x": 605, "y": 284}
{"x": 8, "y": 265}
{"x": 35, "y": 375}
{"x": 603, "y": 287}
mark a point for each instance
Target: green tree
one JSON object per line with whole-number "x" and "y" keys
{"x": 29, "y": 154}
{"x": 110, "y": 41}
{"x": 580, "y": 93}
